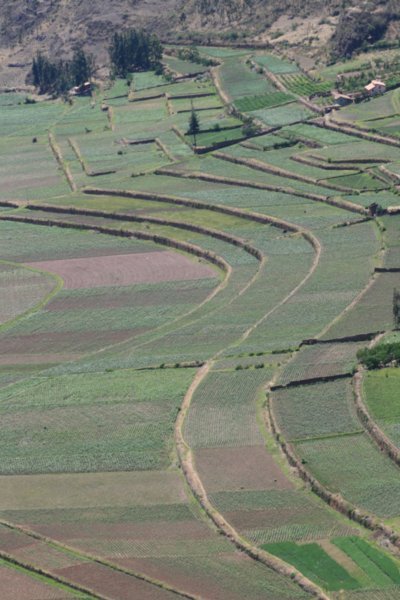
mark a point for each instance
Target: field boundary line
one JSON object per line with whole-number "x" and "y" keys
{"x": 94, "y": 559}
{"x": 59, "y": 284}
{"x": 60, "y": 160}
{"x": 259, "y": 165}
{"x": 327, "y": 122}
{"x": 140, "y": 235}
{"x": 300, "y": 382}
{"x": 8, "y": 558}
{"x": 281, "y": 87}
{"x": 127, "y": 233}
{"x": 164, "y": 149}
{"x": 267, "y": 168}
{"x": 214, "y": 233}
{"x": 185, "y": 456}
{"x": 199, "y": 175}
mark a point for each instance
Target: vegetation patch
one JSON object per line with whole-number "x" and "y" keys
{"x": 383, "y": 570}
{"x": 314, "y": 563}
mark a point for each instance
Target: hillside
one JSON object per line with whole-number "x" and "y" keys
{"x": 312, "y": 27}
{"x": 184, "y": 413}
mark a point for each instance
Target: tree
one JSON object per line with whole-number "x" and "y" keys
{"x": 133, "y": 50}
{"x": 57, "y": 76}
{"x": 194, "y": 125}
{"x": 396, "y": 308}
{"x": 82, "y": 67}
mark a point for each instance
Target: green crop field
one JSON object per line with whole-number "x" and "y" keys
{"x": 283, "y": 115}
{"x": 368, "y": 480}
{"x": 125, "y": 422}
{"x": 377, "y": 566}
{"x": 304, "y": 86}
{"x": 275, "y": 64}
{"x": 313, "y": 410}
{"x": 316, "y": 564}
{"x": 251, "y": 103}
{"x": 239, "y": 80}
{"x": 164, "y": 306}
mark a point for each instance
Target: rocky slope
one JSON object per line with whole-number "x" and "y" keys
{"x": 56, "y": 26}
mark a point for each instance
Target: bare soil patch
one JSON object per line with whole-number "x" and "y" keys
{"x": 239, "y": 468}
{"x": 72, "y": 342}
{"x": 119, "y": 586}
{"x": 15, "y": 585}
{"x": 125, "y": 269}
{"x": 89, "y": 490}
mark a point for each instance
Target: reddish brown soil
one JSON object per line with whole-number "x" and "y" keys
{"x": 125, "y": 269}
{"x": 117, "y": 585}
{"x": 258, "y": 519}
{"x": 15, "y": 585}
{"x": 239, "y": 468}
{"x": 12, "y": 540}
{"x": 37, "y": 343}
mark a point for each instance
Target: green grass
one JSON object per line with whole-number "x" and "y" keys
{"x": 314, "y": 563}
{"x": 275, "y": 64}
{"x": 147, "y": 80}
{"x": 359, "y": 181}
{"x": 184, "y": 67}
{"x": 383, "y": 570}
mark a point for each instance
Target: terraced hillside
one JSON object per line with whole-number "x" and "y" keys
{"x": 179, "y": 332}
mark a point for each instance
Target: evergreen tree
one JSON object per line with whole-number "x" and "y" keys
{"x": 194, "y": 125}
{"x": 82, "y": 67}
{"x": 134, "y": 50}
{"x": 57, "y": 77}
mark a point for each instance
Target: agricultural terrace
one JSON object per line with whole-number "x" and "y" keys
{"x": 179, "y": 326}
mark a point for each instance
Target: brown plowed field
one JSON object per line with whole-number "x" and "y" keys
{"x": 223, "y": 469}
{"x": 114, "y": 584}
{"x": 64, "y": 342}
{"x": 125, "y": 269}
{"x": 157, "y": 530}
{"x": 15, "y": 585}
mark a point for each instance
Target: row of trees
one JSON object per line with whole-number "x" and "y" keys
{"x": 57, "y": 77}
{"x": 129, "y": 51}
{"x": 134, "y": 50}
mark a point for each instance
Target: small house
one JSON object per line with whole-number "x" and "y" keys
{"x": 82, "y": 90}
{"x": 341, "y": 99}
{"x": 375, "y": 88}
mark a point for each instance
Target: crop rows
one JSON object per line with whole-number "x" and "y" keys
{"x": 304, "y": 86}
